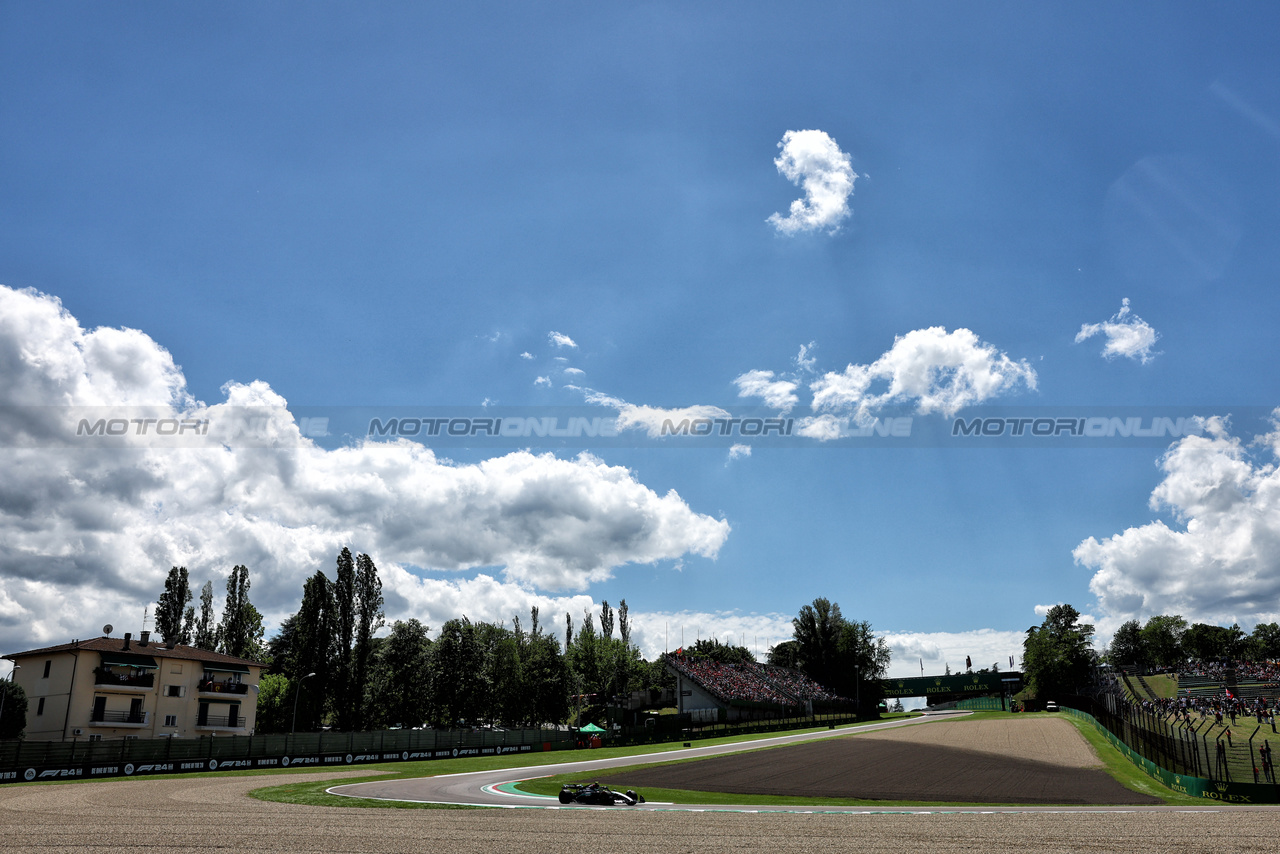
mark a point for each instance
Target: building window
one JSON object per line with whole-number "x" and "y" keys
{"x": 175, "y": 690}
{"x": 170, "y": 720}
{"x": 47, "y": 665}
{"x": 40, "y": 707}
{"x": 96, "y": 737}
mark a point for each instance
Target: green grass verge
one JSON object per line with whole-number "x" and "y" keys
{"x": 1163, "y": 685}
{"x": 1125, "y": 772}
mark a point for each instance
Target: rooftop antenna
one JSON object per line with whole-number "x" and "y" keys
{"x": 145, "y": 610}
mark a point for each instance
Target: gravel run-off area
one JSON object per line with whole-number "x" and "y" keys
{"x": 1033, "y": 760}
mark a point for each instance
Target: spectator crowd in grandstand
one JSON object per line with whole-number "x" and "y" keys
{"x": 750, "y": 682}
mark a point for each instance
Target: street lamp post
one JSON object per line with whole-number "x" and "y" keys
{"x": 5, "y": 693}
{"x": 296, "y": 693}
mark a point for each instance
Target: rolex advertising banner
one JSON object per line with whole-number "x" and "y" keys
{"x": 962, "y": 684}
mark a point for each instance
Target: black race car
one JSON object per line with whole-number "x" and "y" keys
{"x": 593, "y": 794}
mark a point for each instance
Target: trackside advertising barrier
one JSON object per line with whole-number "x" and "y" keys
{"x": 29, "y": 761}
{"x": 1196, "y": 787}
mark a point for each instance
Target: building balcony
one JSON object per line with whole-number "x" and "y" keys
{"x": 217, "y": 722}
{"x": 109, "y": 680}
{"x": 117, "y": 718}
{"x": 212, "y": 687}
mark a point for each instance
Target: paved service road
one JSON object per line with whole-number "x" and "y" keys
{"x": 482, "y": 788}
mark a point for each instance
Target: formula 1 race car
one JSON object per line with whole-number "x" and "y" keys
{"x": 593, "y": 794}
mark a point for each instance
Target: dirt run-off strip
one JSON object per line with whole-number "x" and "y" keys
{"x": 1035, "y": 760}
{"x": 186, "y": 816}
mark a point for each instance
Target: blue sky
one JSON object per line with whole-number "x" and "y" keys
{"x": 384, "y": 206}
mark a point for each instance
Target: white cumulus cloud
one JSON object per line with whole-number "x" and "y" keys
{"x": 1127, "y": 335}
{"x": 526, "y": 355}
{"x": 779, "y": 394}
{"x": 1220, "y": 559}
{"x": 811, "y": 160}
{"x": 559, "y": 339}
{"x": 542, "y": 381}
{"x": 651, "y": 419}
{"x": 931, "y": 369}
{"x": 739, "y": 451}
{"x": 938, "y": 650}
{"x": 89, "y": 533}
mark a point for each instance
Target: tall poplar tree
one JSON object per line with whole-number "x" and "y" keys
{"x": 368, "y": 619}
{"x": 206, "y": 633}
{"x": 172, "y": 610}
{"x": 240, "y": 633}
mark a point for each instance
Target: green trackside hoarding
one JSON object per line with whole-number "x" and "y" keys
{"x": 963, "y": 684}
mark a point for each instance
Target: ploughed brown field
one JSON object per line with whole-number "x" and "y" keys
{"x": 1032, "y": 760}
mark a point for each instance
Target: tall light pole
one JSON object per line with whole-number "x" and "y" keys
{"x": 5, "y": 693}
{"x": 296, "y": 693}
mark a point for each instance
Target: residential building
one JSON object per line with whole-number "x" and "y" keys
{"x": 120, "y": 687}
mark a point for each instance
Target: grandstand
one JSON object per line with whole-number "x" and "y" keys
{"x": 710, "y": 691}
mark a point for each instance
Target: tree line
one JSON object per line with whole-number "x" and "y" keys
{"x": 238, "y": 632}
{"x": 327, "y": 666}
{"x": 1167, "y": 641}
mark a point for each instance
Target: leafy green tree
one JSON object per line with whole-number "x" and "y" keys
{"x": 240, "y": 633}
{"x": 344, "y": 598}
{"x": 1127, "y": 647}
{"x": 275, "y": 703}
{"x": 546, "y": 680}
{"x": 400, "y": 681}
{"x": 313, "y": 650}
{"x": 721, "y": 653}
{"x": 816, "y": 631}
{"x": 785, "y": 654}
{"x": 280, "y": 647}
{"x": 863, "y": 660}
{"x": 13, "y": 716}
{"x": 1058, "y": 655}
{"x": 368, "y": 619}
{"x": 1162, "y": 640}
{"x": 1264, "y": 642}
{"x": 171, "y": 608}
{"x": 456, "y": 664}
{"x": 206, "y": 633}
{"x": 1204, "y": 642}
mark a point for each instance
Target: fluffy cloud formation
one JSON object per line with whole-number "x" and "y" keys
{"x": 577, "y": 372}
{"x": 526, "y": 355}
{"x": 1127, "y": 335}
{"x": 739, "y": 451}
{"x": 939, "y": 649}
{"x": 811, "y": 160}
{"x": 650, "y": 419}
{"x": 559, "y": 339}
{"x": 1221, "y": 561}
{"x": 931, "y": 369}
{"x": 542, "y": 381}
{"x": 779, "y": 394}
{"x": 90, "y": 532}
{"x": 657, "y": 631}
